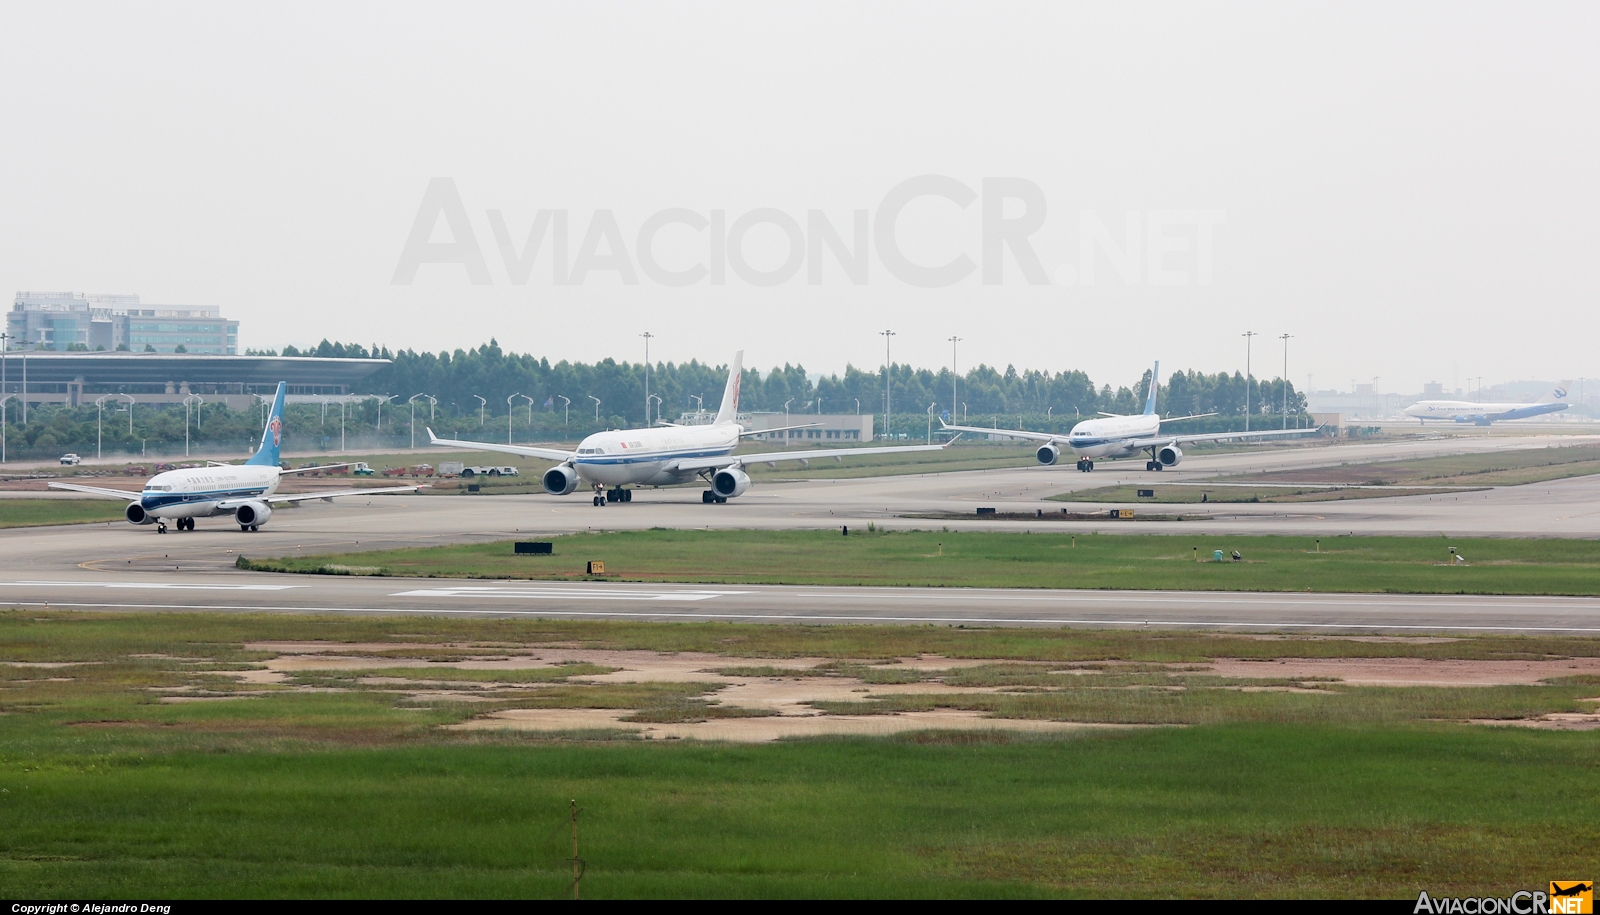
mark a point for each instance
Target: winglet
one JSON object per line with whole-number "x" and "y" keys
{"x": 431, "y": 437}
{"x": 1155, "y": 383}
{"x": 729, "y": 411}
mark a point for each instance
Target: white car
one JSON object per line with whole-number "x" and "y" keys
{"x": 71, "y": 459}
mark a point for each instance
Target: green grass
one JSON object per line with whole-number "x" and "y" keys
{"x": 1507, "y": 468}
{"x": 1015, "y": 560}
{"x": 1195, "y": 494}
{"x": 323, "y": 791}
{"x": 45, "y": 511}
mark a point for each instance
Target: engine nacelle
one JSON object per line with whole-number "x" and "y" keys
{"x": 1048, "y": 454}
{"x": 251, "y": 514}
{"x": 137, "y": 515}
{"x": 731, "y": 482}
{"x": 1169, "y": 455}
{"x": 561, "y": 480}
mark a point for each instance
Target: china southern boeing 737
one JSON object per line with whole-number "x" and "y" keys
{"x": 667, "y": 455}
{"x": 1116, "y": 436}
{"x": 246, "y": 491}
{"x": 1482, "y": 414}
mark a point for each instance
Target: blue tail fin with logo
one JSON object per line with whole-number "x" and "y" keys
{"x": 272, "y": 433}
{"x": 1155, "y": 382}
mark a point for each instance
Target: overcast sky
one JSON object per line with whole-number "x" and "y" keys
{"x": 1412, "y": 190}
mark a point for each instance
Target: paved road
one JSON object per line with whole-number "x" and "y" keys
{"x": 116, "y": 566}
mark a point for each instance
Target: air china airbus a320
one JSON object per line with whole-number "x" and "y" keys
{"x": 1116, "y": 436}
{"x": 666, "y": 455}
{"x": 246, "y": 491}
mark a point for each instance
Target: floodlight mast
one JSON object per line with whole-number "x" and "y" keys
{"x": 1247, "y": 335}
{"x": 510, "y": 410}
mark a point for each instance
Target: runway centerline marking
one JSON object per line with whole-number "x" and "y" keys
{"x": 568, "y": 593}
{"x": 144, "y": 585}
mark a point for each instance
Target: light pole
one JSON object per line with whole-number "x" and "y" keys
{"x": 481, "y": 404}
{"x": 1286, "y": 338}
{"x": 342, "y": 402}
{"x": 700, "y": 404}
{"x": 596, "y": 406}
{"x": 858, "y": 406}
{"x": 647, "y": 335}
{"x": 3, "y": 411}
{"x": 953, "y": 341}
{"x": 657, "y": 399}
{"x": 131, "y": 402}
{"x": 1247, "y": 335}
{"x": 566, "y": 409}
{"x": 510, "y": 410}
{"x": 412, "y": 400}
{"x": 888, "y": 382}
{"x": 530, "y": 414}
{"x": 194, "y": 400}
{"x": 99, "y": 410}
{"x": 930, "y": 423}
{"x": 5, "y": 349}
{"x": 381, "y": 401}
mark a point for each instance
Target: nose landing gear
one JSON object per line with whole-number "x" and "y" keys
{"x": 1085, "y": 466}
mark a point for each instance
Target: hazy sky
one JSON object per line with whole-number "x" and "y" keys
{"x": 1412, "y": 190}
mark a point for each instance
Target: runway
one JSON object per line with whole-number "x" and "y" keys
{"x": 260, "y": 592}
{"x": 115, "y": 566}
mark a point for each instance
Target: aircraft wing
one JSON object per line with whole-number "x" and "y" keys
{"x": 312, "y": 469}
{"x": 728, "y": 460}
{"x": 229, "y": 504}
{"x": 548, "y": 454}
{"x": 777, "y": 429}
{"x": 99, "y": 491}
{"x": 1014, "y": 433}
{"x": 1158, "y": 440}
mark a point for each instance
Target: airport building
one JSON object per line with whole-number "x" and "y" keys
{"x": 69, "y": 321}
{"x": 78, "y": 378}
{"x": 830, "y": 428}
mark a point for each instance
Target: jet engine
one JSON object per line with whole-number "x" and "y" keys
{"x": 731, "y": 482}
{"x": 251, "y": 514}
{"x": 1049, "y": 454}
{"x": 1169, "y": 455}
{"x": 560, "y": 481}
{"x": 137, "y": 515}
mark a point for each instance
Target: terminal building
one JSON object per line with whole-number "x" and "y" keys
{"x": 78, "y": 378}
{"x": 821, "y": 428}
{"x": 76, "y": 321}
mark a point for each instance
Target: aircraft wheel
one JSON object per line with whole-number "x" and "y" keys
{"x": 705, "y": 497}
{"x": 627, "y": 495}
{"x": 244, "y": 528}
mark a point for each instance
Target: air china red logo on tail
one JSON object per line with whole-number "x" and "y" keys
{"x": 277, "y": 431}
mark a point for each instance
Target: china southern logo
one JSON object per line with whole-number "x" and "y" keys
{"x": 1560, "y": 393}
{"x": 1566, "y": 897}
{"x": 277, "y": 431}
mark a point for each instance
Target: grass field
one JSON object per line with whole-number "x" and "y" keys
{"x": 1508, "y": 468}
{"x": 40, "y": 512}
{"x": 344, "y": 789}
{"x": 1195, "y": 494}
{"x": 995, "y": 559}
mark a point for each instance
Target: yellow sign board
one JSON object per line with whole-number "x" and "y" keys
{"x": 597, "y": 567}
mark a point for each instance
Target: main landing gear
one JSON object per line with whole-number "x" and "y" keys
{"x": 602, "y": 496}
{"x": 1154, "y": 465}
{"x": 1085, "y": 466}
{"x": 710, "y": 497}
{"x": 249, "y": 528}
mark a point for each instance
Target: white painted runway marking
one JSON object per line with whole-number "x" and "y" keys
{"x": 568, "y": 593}
{"x": 143, "y": 585}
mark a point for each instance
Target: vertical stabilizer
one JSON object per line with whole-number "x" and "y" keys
{"x": 272, "y": 433}
{"x": 729, "y": 411}
{"x": 1155, "y": 383}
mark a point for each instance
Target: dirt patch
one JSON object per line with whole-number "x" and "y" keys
{"x": 1407, "y": 671}
{"x": 768, "y": 729}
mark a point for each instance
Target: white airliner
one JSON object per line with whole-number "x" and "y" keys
{"x": 246, "y": 491}
{"x": 1482, "y": 414}
{"x": 1115, "y": 436}
{"x": 667, "y": 454}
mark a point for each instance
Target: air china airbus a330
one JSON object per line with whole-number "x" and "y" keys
{"x": 667, "y": 455}
{"x": 1116, "y": 436}
{"x": 246, "y": 491}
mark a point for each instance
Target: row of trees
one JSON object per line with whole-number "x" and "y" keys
{"x": 460, "y": 378}
{"x": 537, "y": 411}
